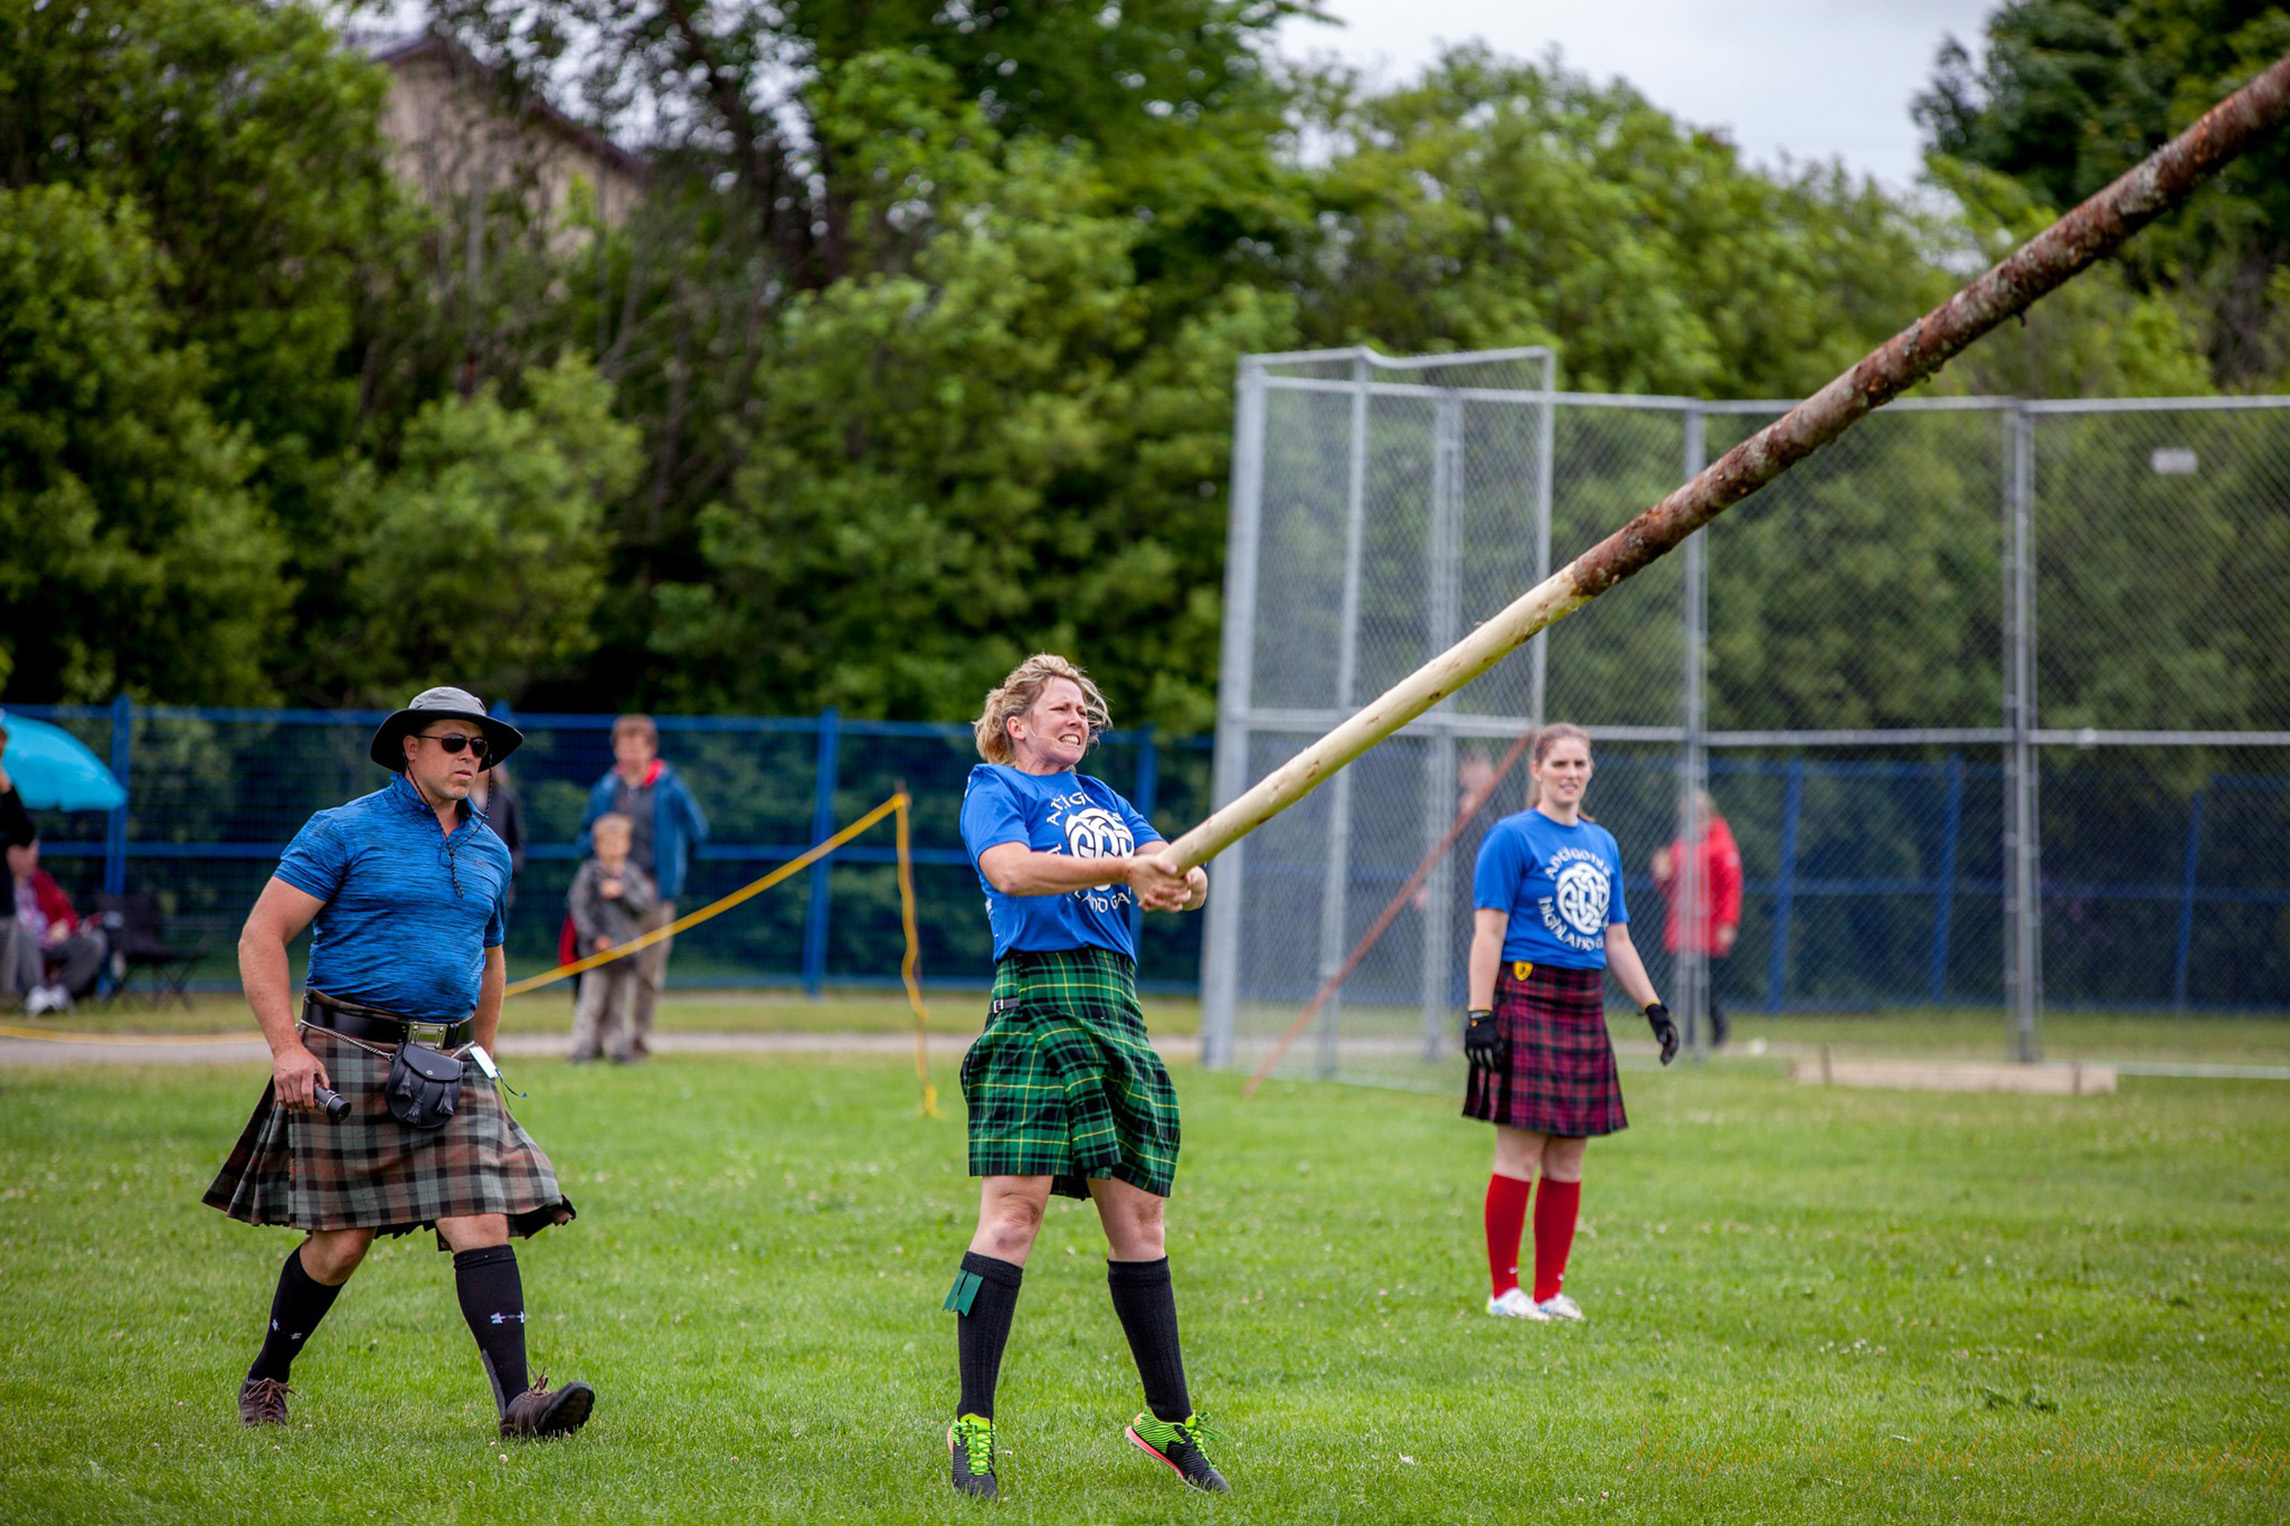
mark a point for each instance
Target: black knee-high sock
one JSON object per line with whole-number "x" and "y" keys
{"x": 1147, "y": 1305}
{"x": 493, "y": 1301}
{"x": 295, "y": 1309}
{"x": 985, "y": 1298}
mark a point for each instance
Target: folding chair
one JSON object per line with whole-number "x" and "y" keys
{"x": 137, "y": 945}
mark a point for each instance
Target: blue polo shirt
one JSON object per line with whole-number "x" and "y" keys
{"x": 1053, "y": 813}
{"x": 1561, "y": 887}
{"x": 410, "y": 911}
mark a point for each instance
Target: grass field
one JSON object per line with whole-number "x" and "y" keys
{"x": 1804, "y": 1304}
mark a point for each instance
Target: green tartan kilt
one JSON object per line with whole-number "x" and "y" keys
{"x": 370, "y": 1171}
{"x": 1063, "y": 1081}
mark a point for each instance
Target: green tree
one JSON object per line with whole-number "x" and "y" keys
{"x": 814, "y": 166}
{"x": 961, "y": 463}
{"x": 2071, "y": 93}
{"x": 247, "y": 138}
{"x": 1497, "y": 202}
{"x": 138, "y": 559}
{"x": 481, "y": 559}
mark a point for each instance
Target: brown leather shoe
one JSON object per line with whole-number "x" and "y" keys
{"x": 262, "y": 1401}
{"x": 541, "y": 1412}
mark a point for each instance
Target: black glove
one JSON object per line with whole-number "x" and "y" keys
{"x": 1665, "y": 1031}
{"x": 1483, "y": 1039}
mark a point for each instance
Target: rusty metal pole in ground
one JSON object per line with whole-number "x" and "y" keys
{"x": 2098, "y": 227}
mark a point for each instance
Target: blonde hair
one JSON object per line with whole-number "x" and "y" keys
{"x": 614, "y": 824}
{"x": 1017, "y": 695}
{"x": 1547, "y": 738}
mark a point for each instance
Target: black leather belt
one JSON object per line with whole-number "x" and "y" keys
{"x": 377, "y": 1028}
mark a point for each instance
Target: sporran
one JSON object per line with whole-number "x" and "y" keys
{"x": 424, "y": 1086}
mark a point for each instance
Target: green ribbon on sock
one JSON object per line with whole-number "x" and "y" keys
{"x": 964, "y": 1293}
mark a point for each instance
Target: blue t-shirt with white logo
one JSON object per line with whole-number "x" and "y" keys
{"x": 1560, "y": 885}
{"x": 1053, "y": 813}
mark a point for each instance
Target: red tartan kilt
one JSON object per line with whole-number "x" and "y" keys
{"x": 1560, "y": 1077}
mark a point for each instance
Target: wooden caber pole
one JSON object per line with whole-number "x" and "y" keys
{"x": 2097, "y": 228}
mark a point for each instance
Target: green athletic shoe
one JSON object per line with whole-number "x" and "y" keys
{"x": 1178, "y": 1444}
{"x": 970, "y": 1457}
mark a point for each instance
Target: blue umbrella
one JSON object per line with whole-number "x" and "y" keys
{"x": 54, "y": 771}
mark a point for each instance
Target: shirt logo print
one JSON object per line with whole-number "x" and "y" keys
{"x": 1095, "y": 832}
{"x": 1583, "y": 894}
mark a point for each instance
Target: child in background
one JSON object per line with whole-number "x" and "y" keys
{"x": 608, "y": 900}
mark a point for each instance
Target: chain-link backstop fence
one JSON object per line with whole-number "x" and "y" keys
{"x": 1994, "y": 697}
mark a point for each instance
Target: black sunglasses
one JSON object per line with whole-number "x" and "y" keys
{"x": 454, "y": 741}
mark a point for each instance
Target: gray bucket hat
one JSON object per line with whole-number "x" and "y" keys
{"x": 501, "y": 738}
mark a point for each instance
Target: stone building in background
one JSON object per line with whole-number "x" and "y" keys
{"x": 456, "y": 130}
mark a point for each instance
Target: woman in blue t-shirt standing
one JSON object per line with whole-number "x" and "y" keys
{"x": 1550, "y": 918}
{"x": 1064, "y": 1091}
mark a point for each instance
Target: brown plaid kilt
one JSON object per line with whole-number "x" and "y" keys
{"x": 1560, "y": 1077}
{"x": 372, "y": 1172}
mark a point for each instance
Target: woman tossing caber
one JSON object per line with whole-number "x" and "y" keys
{"x": 1064, "y": 1091}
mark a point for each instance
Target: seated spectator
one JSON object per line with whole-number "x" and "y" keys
{"x": 609, "y": 899}
{"x": 15, "y": 829}
{"x": 58, "y": 956}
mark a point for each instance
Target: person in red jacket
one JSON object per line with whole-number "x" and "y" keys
{"x": 59, "y": 955}
{"x": 1717, "y": 889}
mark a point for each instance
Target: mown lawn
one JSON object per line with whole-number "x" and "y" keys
{"x": 1804, "y": 1304}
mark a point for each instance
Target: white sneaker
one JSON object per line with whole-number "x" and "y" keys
{"x": 35, "y": 1001}
{"x": 1515, "y": 1304}
{"x": 59, "y": 999}
{"x": 1559, "y": 1306}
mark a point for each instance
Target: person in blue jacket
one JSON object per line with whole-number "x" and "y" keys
{"x": 666, "y": 826}
{"x": 1550, "y": 918}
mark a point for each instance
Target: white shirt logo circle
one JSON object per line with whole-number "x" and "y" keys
{"x": 1094, "y": 832}
{"x": 1583, "y": 892}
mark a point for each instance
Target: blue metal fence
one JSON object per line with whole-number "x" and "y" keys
{"x": 1870, "y": 882}
{"x": 215, "y": 794}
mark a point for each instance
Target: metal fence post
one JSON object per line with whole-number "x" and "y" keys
{"x": 1944, "y": 912}
{"x": 816, "y": 910}
{"x": 1220, "y": 941}
{"x": 1538, "y": 650}
{"x": 2023, "y": 968}
{"x": 1692, "y": 971}
{"x": 122, "y": 765}
{"x": 1442, "y": 555}
{"x": 2187, "y": 879}
{"x": 1336, "y": 878}
{"x": 1785, "y": 886}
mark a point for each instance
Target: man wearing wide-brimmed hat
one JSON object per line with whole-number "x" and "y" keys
{"x": 363, "y": 1129}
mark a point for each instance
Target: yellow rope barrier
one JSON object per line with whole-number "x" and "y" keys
{"x": 897, "y": 806}
{"x": 908, "y": 965}
{"x": 741, "y": 896}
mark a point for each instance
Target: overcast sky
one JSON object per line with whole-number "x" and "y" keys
{"x": 1819, "y": 79}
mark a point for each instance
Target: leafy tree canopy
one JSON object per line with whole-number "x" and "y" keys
{"x": 137, "y": 559}
{"x": 2071, "y": 93}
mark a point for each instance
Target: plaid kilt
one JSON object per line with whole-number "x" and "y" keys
{"x": 372, "y": 1172}
{"x": 1560, "y": 1078}
{"x": 1063, "y": 1081}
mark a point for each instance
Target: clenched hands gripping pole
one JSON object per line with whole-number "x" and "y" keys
{"x": 2097, "y": 228}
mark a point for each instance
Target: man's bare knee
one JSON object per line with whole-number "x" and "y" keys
{"x": 329, "y": 1256}
{"x": 479, "y": 1231}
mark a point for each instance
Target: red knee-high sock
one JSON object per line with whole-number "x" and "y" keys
{"x": 1506, "y": 1221}
{"x": 1555, "y": 1209}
